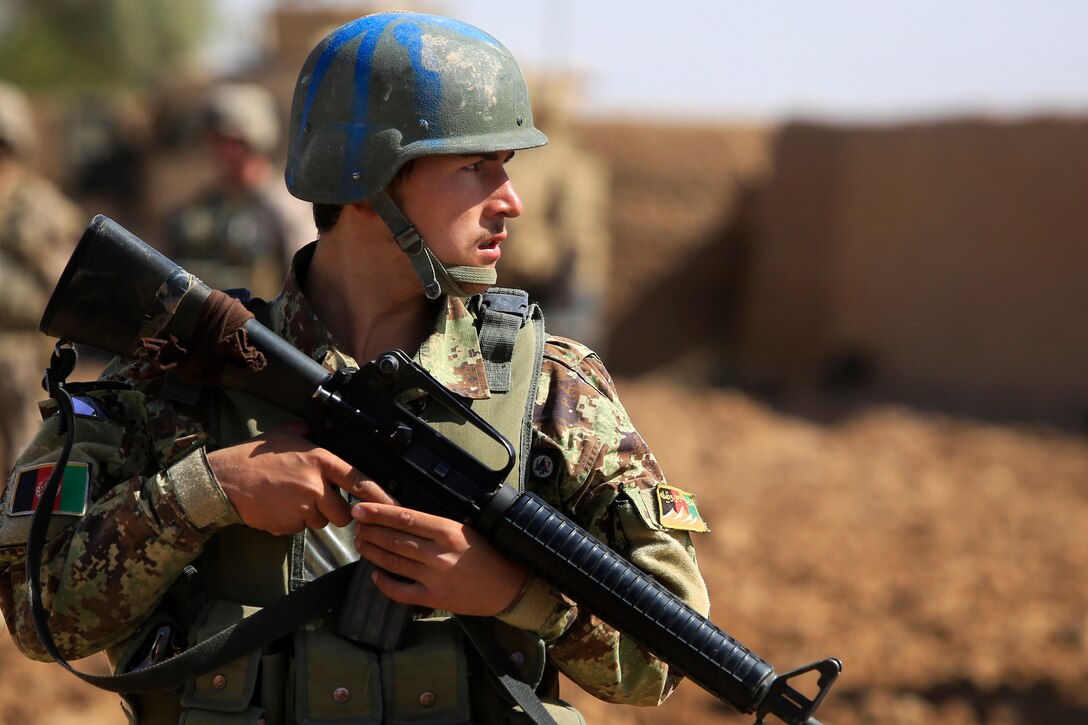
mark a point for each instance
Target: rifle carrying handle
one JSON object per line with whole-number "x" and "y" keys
{"x": 368, "y": 616}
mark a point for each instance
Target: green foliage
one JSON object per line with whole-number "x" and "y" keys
{"x": 98, "y": 44}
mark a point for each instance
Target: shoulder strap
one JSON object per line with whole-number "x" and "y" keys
{"x": 498, "y": 661}
{"x": 502, "y": 312}
{"x": 511, "y": 333}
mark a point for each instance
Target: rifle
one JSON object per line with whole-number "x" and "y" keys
{"x": 362, "y": 416}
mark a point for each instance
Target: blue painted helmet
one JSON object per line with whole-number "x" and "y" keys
{"x": 387, "y": 88}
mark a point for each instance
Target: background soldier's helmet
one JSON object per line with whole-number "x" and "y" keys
{"x": 16, "y": 120}
{"x": 247, "y": 112}
{"x": 391, "y": 87}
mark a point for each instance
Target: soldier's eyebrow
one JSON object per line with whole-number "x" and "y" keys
{"x": 491, "y": 156}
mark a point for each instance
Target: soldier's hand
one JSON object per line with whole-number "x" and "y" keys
{"x": 282, "y": 483}
{"x": 451, "y": 566}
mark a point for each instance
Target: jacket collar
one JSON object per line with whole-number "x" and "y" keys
{"x": 450, "y": 353}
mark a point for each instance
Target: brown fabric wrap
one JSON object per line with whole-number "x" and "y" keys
{"x": 218, "y": 339}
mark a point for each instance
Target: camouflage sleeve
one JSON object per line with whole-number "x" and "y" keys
{"x": 150, "y": 506}
{"x": 589, "y": 461}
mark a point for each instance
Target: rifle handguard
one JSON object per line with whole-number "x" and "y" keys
{"x": 618, "y": 592}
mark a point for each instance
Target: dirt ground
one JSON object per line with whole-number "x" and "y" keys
{"x": 940, "y": 559}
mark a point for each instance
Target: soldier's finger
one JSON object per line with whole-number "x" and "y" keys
{"x": 418, "y": 523}
{"x": 390, "y": 561}
{"x": 316, "y": 521}
{"x": 355, "y": 482}
{"x": 333, "y": 507}
{"x": 396, "y": 542}
{"x": 400, "y": 590}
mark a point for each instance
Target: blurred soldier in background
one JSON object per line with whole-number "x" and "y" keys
{"x": 39, "y": 227}
{"x": 558, "y": 249}
{"x": 243, "y": 230}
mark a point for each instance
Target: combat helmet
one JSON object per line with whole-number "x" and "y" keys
{"x": 391, "y": 87}
{"x": 245, "y": 111}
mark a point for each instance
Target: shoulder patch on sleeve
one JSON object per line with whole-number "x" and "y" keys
{"x": 545, "y": 465}
{"x": 676, "y": 509}
{"x": 87, "y": 407}
{"x": 28, "y": 485}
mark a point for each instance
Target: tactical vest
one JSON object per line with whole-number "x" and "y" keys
{"x": 318, "y": 677}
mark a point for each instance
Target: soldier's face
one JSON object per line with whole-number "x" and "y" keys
{"x": 460, "y": 205}
{"x": 228, "y": 150}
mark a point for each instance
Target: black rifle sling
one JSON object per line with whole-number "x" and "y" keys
{"x": 498, "y": 661}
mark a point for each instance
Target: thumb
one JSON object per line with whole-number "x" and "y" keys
{"x": 333, "y": 506}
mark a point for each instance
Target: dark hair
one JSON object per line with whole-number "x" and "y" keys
{"x": 325, "y": 216}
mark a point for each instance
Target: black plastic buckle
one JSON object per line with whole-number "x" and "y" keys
{"x": 62, "y": 363}
{"x": 510, "y": 303}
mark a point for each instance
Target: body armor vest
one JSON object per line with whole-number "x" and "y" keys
{"x": 320, "y": 677}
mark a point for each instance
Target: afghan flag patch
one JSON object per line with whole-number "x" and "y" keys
{"x": 30, "y": 485}
{"x": 677, "y": 510}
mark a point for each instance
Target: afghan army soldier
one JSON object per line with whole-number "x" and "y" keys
{"x": 194, "y": 509}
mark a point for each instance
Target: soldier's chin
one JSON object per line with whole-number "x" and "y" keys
{"x": 474, "y": 289}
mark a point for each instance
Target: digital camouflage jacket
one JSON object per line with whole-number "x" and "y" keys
{"x": 154, "y": 506}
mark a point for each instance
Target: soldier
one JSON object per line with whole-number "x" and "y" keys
{"x": 38, "y": 230}
{"x": 242, "y": 230}
{"x": 401, "y": 129}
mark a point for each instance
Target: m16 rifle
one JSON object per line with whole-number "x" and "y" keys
{"x": 362, "y": 416}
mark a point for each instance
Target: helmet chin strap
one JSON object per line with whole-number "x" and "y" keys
{"x": 437, "y": 278}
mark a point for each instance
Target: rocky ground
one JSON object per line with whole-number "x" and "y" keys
{"x": 940, "y": 559}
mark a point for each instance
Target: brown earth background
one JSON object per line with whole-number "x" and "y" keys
{"x": 863, "y": 348}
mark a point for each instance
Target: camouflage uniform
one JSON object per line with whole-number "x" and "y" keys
{"x": 240, "y": 234}
{"x": 157, "y": 508}
{"x": 39, "y": 227}
{"x": 231, "y": 240}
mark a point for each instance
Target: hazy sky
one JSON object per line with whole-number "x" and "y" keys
{"x": 761, "y": 59}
